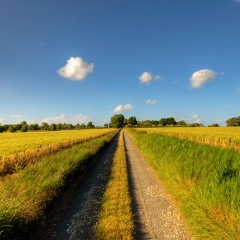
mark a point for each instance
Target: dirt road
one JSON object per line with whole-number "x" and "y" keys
{"x": 156, "y": 216}
{"x": 74, "y": 217}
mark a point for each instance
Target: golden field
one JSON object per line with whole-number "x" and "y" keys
{"x": 216, "y": 136}
{"x": 19, "y": 149}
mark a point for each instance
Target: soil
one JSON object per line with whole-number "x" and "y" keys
{"x": 75, "y": 214}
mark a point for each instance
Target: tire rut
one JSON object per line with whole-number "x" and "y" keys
{"x": 75, "y": 215}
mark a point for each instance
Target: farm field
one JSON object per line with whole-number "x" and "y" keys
{"x": 19, "y": 149}
{"x": 26, "y": 194}
{"x": 216, "y": 136}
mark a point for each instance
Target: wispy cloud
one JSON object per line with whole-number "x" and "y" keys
{"x": 237, "y": 1}
{"x": 2, "y": 120}
{"x": 18, "y": 117}
{"x": 121, "y": 108}
{"x": 196, "y": 118}
{"x": 147, "y": 77}
{"x": 65, "y": 119}
{"x": 149, "y": 101}
{"x": 238, "y": 90}
{"x": 76, "y": 69}
{"x": 200, "y": 77}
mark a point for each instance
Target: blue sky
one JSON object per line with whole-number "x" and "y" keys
{"x": 79, "y": 61}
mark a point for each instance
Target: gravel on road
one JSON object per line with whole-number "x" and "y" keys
{"x": 155, "y": 215}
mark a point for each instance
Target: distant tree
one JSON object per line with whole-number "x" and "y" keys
{"x": 105, "y": 125}
{"x": 117, "y": 121}
{"x": 83, "y": 126}
{"x": 132, "y": 120}
{"x": 233, "y": 122}
{"x": 167, "y": 121}
{"x": 77, "y": 126}
{"x": 181, "y": 123}
{"x": 214, "y": 125}
{"x": 90, "y": 125}
{"x": 59, "y": 126}
{"x": 2, "y": 129}
{"x": 24, "y": 128}
{"x": 12, "y": 128}
{"x": 36, "y": 126}
{"x": 53, "y": 127}
{"x": 44, "y": 126}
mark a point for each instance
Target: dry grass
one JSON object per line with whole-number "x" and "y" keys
{"x": 116, "y": 218}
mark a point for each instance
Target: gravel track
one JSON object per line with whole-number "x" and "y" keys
{"x": 75, "y": 215}
{"x": 156, "y": 217}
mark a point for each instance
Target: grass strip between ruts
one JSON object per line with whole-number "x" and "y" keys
{"x": 116, "y": 218}
{"x": 25, "y": 195}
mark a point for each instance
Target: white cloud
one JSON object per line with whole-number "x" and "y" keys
{"x": 196, "y": 118}
{"x": 2, "y": 120}
{"x": 200, "y": 77}
{"x": 18, "y": 117}
{"x": 147, "y": 77}
{"x": 221, "y": 121}
{"x": 121, "y": 108}
{"x": 64, "y": 119}
{"x": 149, "y": 101}
{"x": 237, "y": 1}
{"x": 76, "y": 69}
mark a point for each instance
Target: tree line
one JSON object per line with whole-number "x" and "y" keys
{"x": 24, "y": 127}
{"x": 117, "y": 121}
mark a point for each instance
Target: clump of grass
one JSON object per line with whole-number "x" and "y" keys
{"x": 204, "y": 180}
{"x": 25, "y": 195}
{"x": 116, "y": 218}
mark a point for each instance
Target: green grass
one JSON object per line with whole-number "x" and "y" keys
{"x": 24, "y": 196}
{"x": 116, "y": 218}
{"x": 204, "y": 180}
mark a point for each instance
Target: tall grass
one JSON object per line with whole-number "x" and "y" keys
{"x": 116, "y": 218}
{"x": 204, "y": 180}
{"x": 25, "y": 195}
{"x": 17, "y": 150}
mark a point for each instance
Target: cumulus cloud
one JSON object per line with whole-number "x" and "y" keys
{"x": 121, "y": 108}
{"x": 149, "y": 101}
{"x": 147, "y": 77}
{"x": 196, "y": 118}
{"x": 200, "y": 77}
{"x": 76, "y": 69}
{"x": 64, "y": 119}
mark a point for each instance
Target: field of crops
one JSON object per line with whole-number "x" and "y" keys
{"x": 216, "y": 136}
{"x": 26, "y": 194}
{"x": 19, "y": 149}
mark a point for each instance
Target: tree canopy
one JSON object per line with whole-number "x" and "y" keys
{"x": 117, "y": 121}
{"x": 233, "y": 122}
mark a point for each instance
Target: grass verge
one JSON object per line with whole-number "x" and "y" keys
{"x": 116, "y": 218}
{"x": 25, "y": 195}
{"x": 204, "y": 180}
